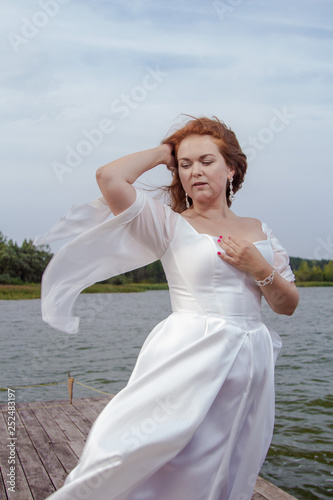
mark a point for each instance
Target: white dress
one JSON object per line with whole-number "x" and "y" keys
{"x": 196, "y": 418}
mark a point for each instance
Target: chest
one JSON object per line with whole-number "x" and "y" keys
{"x": 236, "y": 228}
{"x": 192, "y": 258}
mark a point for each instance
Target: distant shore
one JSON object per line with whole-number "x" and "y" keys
{"x": 32, "y": 291}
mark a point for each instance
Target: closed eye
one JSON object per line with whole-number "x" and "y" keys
{"x": 207, "y": 162}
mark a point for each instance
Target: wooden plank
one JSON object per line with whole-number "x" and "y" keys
{"x": 271, "y": 492}
{"x": 49, "y": 424}
{"x": 100, "y": 401}
{"x": 100, "y": 405}
{"x": 3, "y": 494}
{"x": 69, "y": 429}
{"x": 39, "y": 482}
{"x": 37, "y": 477}
{"x": 78, "y": 418}
{"x": 43, "y": 447}
{"x": 257, "y": 496}
{"x": 66, "y": 456}
{"x": 86, "y": 409}
{"x": 77, "y": 447}
{"x": 61, "y": 434}
{"x": 22, "y": 489}
{"x": 95, "y": 407}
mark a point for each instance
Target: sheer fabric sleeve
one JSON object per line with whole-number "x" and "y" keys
{"x": 281, "y": 258}
{"x": 136, "y": 237}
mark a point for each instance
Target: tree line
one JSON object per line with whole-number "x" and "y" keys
{"x": 26, "y": 264}
{"x": 312, "y": 270}
{"x": 22, "y": 264}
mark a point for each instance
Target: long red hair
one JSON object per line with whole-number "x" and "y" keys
{"x": 228, "y": 146}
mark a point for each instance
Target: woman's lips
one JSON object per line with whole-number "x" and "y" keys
{"x": 199, "y": 184}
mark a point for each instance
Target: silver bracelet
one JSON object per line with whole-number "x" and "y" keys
{"x": 267, "y": 280}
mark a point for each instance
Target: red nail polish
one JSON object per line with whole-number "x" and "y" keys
{"x": 221, "y": 237}
{"x": 219, "y": 241}
{"x": 228, "y": 237}
{"x": 218, "y": 253}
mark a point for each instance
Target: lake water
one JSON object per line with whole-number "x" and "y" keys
{"x": 113, "y": 328}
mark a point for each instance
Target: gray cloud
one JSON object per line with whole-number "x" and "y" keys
{"x": 257, "y": 58}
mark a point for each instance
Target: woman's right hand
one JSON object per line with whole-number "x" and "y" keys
{"x": 170, "y": 160}
{"x": 115, "y": 179}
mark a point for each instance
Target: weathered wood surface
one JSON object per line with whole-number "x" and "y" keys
{"x": 50, "y": 436}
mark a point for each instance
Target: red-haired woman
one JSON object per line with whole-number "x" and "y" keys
{"x": 196, "y": 419}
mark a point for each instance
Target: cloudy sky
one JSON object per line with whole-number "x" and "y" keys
{"x": 84, "y": 82}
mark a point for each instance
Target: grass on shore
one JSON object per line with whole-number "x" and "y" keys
{"x": 32, "y": 290}
{"x": 20, "y": 292}
{"x": 314, "y": 283}
{"x": 128, "y": 288}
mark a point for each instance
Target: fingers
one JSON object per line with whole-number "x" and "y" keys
{"x": 229, "y": 245}
{"x": 226, "y": 257}
{"x": 236, "y": 254}
{"x": 242, "y": 254}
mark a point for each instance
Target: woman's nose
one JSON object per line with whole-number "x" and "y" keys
{"x": 196, "y": 168}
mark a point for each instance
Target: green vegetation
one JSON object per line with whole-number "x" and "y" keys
{"x": 32, "y": 290}
{"x": 129, "y": 288}
{"x": 20, "y": 292}
{"x": 315, "y": 271}
{"x": 21, "y": 269}
{"x": 303, "y": 284}
{"x": 22, "y": 264}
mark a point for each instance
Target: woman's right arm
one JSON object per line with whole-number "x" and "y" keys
{"x": 115, "y": 179}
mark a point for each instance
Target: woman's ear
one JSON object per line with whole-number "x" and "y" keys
{"x": 231, "y": 172}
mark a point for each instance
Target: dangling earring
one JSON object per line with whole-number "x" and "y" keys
{"x": 186, "y": 201}
{"x": 231, "y": 195}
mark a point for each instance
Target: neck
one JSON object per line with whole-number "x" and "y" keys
{"x": 212, "y": 212}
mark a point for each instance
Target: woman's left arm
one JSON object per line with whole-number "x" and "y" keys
{"x": 281, "y": 295}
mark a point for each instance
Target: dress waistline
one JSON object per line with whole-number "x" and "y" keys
{"x": 226, "y": 317}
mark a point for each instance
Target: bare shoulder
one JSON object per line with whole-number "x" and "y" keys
{"x": 251, "y": 222}
{"x": 252, "y": 228}
{"x": 188, "y": 213}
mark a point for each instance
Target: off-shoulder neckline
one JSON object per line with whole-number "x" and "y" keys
{"x": 211, "y": 236}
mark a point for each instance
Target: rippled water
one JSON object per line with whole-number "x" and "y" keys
{"x": 301, "y": 455}
{"x": 113, "y": 328}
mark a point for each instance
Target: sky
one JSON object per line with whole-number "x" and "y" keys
{"x": 85, "y": 82}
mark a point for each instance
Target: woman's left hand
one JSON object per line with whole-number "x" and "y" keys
{"x": 243, "y": 255}
{"x": 281, "y": 295}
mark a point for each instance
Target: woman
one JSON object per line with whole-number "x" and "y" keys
{"x": 196, "y": 418}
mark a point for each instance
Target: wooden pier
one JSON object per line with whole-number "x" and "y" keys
{"x": 50, "y": 436}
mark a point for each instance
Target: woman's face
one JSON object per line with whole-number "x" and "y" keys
{"x": 202, "y": 169}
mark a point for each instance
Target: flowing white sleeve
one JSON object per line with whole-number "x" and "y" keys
{"x": 136, "y": 237}
{"x": 281, "y": 258}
